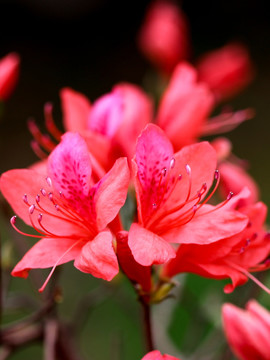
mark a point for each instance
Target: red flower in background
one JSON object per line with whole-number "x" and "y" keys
{"x": 230, "y": 257}
{"x": 247, "y": 331}
{"x": 68, "y": 210}
{"x": 171, "y": 191}
{"x": 9, "y": 73}
{"x": 185, "y": 107}
{"x": 226, "y": 71}
{"x": 164, "y": 35}
{"x": 156, "y": 355}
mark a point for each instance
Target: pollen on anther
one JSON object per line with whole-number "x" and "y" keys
{"x": 154, "y": 205}
{"x": 188, "y": 169}
{"x": 31, "y": 209}
{"x": 39, "y": 217}
{"x": 164, "y": 171}
{"x": 13, "y": 220}
{"x": 172, "y": 163}
{"x": 216, "y": 174}
{"x": 230, "y": 195}
{"x": 25, "y": 199}
{"x": 49, "y": 181}
{"x": 37, "y": 198}
{"x": 43, "y": 192}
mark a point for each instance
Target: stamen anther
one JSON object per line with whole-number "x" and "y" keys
{"x": 49, "y": 181}
{"x": 31, "y": 209}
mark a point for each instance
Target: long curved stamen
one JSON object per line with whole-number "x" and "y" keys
{"x": 13, "y": 221}
{"x": 250, "y": 276}
{"x": 57, "y": 262}
{"x": 217, "y": 178}
{"x": 188, "y": 170}
{"x": 49, "y": 122}
{"x": 37, "y": 150}
{"x": 219, "y": 206}
{"x": 43, "y": 140}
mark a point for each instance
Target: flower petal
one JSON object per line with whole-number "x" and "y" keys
{"x": 15, "y": 184}
{"x": 148, "y": 248}
{"x": 110, "y": 193}
{"x": 98, "y": 257}
{"x": 184, "y": 107}
{"x": 208, "y": 227}
{"x": 134, "y": 271}
{"x": 76, "y": 108}
{"x": 70, "y": 170}
{"x": 46, "y": 253}
{"x": 153, "y": 156}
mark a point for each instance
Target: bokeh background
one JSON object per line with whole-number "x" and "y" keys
{"x": 90, "y": 45}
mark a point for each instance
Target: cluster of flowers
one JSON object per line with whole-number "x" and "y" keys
{"x": 117, "y": 147}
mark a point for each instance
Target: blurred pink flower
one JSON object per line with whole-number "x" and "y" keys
{"x": 9, "y": 73}
{"x": 156, "y": 355}
{"x": 248, "y": 331}
{"x": 68, "y": 210}
{"x": 164, "y": 35}
{"x": 226, "y": 70}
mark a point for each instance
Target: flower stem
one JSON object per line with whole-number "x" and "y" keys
{"x": 147, "y": 325}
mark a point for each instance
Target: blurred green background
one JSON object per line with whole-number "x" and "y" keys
{"x": 90, "y": 45}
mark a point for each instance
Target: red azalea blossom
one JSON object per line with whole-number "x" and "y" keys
{"x": 156, "y": 355}
{"x": 226, "y": 70}
{"x": 185, "y": 107}
{"x": 9, "y": 73}
{"x": 247, "y": 331}
{"x": 68, "y": 210}
{"x": 105, "y": 125}
{"x": 164, "y": 35}
{"x": 231, "y": 257}
{"x": 171, "y": 191}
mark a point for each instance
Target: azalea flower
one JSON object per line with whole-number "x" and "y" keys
{"x": 156, "y": 355}
{"x": 185, "y": 108}
{"x": 171, "y": 190}
{"x": 105, "y": 125}
{"x": 231, "y": 257}
{"x": 9, "y": 73}
{"x": 226, "y": 70}
{"x": 68, "y": 210}
{"x": 164, "y": 35}
{"x": 247, "y": 331}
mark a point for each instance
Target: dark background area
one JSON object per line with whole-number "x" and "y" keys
{"x": 90, "y": 45}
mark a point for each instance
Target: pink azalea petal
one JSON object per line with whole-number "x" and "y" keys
{"x": 109, "y": 194}
{"x": 15, "y": 184}
{"x": 245, "y": 333}
{"x": 208, "y": 227}
{"x": 260, "y": 312}
{"x": 70, "y": 170}
{"x": 98, "y": 257}
{"x": 148, "y": 248}
{"x": 107, "y": 114}
{"x": 137, "y": 113}
{"x": 234, "y": 178}
{"x": 185, "y": 106}
{"x": 134, "y": 271}
{"x": 156, "y": 355}
{"x": 76, "y": 108}
{"x": 9, "y": 73}
{"x": 46, "y": 253}
{"x": 153, "y": 156}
